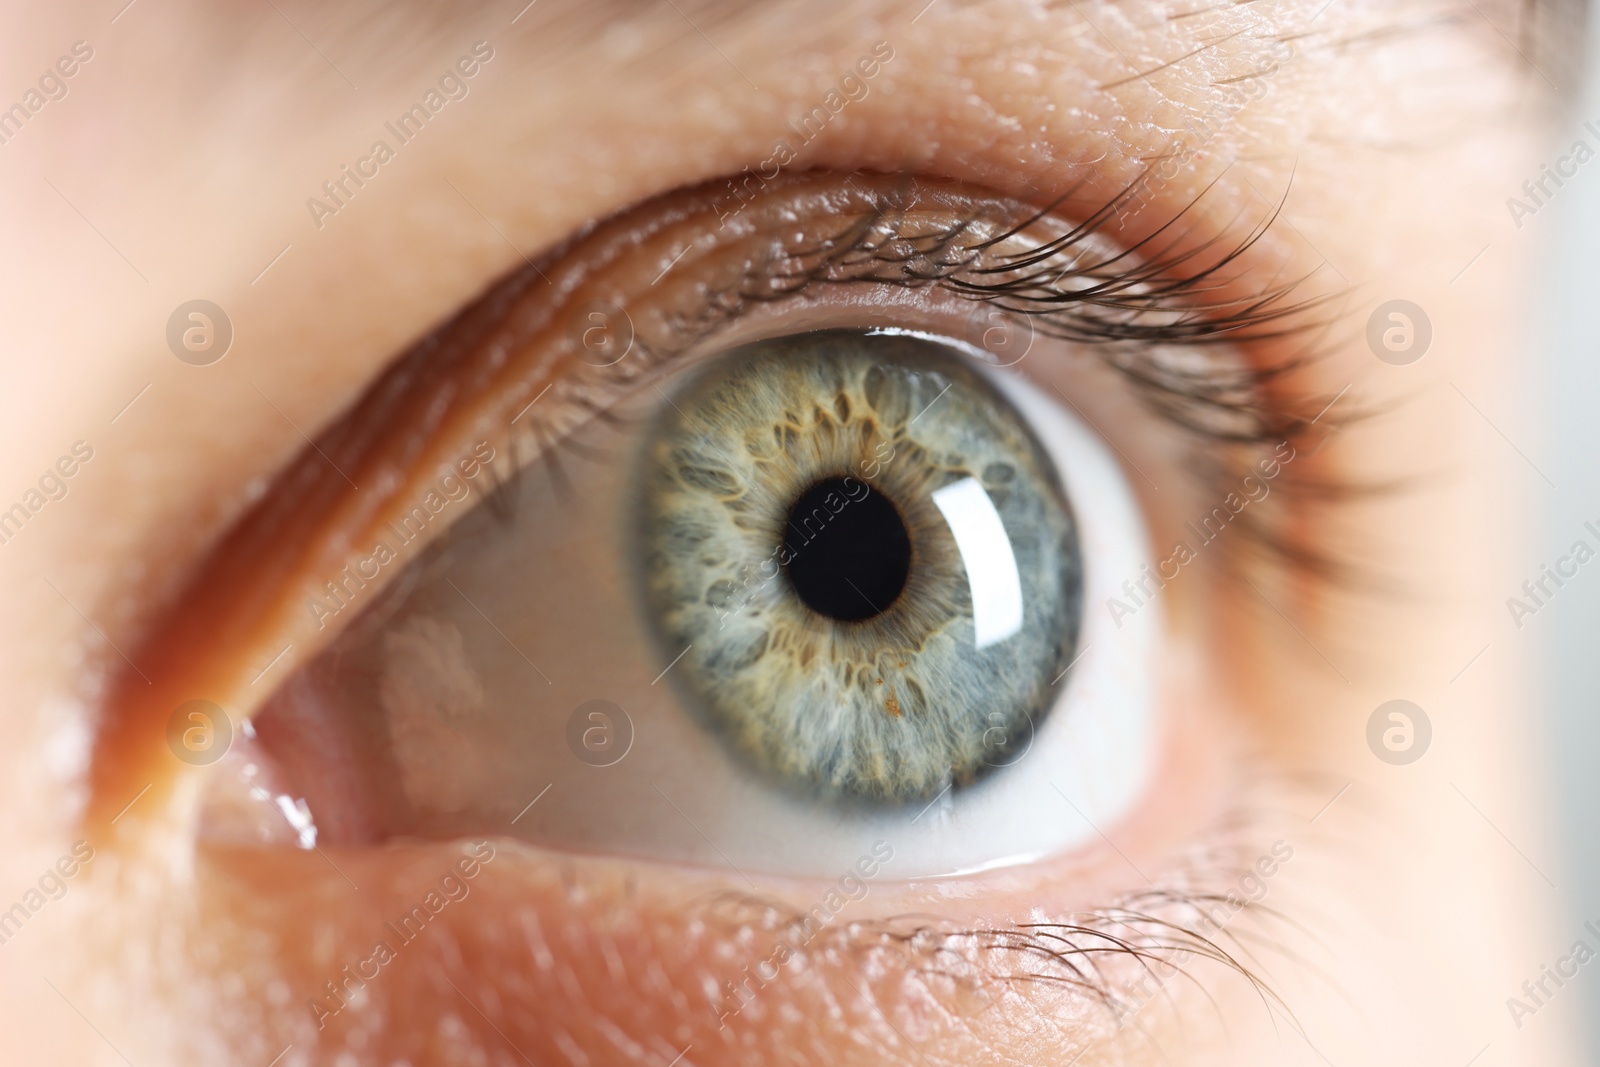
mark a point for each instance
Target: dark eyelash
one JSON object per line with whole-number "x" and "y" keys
{"x": 1063, "y": 953}
{"x": 1106, "y": 957}
{"x": 1160, "y": 312}
{"x": 1130, "y": 303}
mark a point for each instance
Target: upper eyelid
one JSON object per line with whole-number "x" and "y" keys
{"x": 1126, "y": 296}
{"x": 1121, "y": 291}
{"x": 396, "y": 428}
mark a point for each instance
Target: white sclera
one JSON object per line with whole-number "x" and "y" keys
{"x": 561, "y": 595}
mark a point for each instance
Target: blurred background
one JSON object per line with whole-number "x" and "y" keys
{"x": 1567, "y": 637}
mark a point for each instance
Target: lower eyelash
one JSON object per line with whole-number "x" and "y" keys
{"x": 1118, "y": 959}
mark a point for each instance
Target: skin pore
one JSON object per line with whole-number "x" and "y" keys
{"x": 179, "y": 165}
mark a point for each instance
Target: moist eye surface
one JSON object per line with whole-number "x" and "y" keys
{"x": 865, "y": 559}
{"x": 759, "y": 613}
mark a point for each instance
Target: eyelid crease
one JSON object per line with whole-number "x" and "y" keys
{"x": 486, "y": 369}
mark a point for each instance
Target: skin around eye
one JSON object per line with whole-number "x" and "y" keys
{"x": 1386, "y": 126}
{"x": 1110, "y": 771}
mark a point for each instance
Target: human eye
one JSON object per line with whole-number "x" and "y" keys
{"x": 800, "y": 593}
{"x": 769, "y": 535}
{"x": 782, "y": 552}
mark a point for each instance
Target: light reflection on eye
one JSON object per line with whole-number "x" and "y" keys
{"x": 993, "y": 581}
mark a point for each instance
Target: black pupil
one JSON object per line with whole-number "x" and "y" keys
{"x": 849, "y": 552}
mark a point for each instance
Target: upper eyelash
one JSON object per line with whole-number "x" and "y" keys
{"x": 1138, "y": 300}
{"x": 1155, "y": 311}
{"x": 1128, "y": 301}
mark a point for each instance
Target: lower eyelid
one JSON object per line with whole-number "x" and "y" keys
{"x": 545, "y": 957}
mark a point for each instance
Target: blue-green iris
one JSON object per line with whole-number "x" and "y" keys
{"x": 917, "y": 687}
